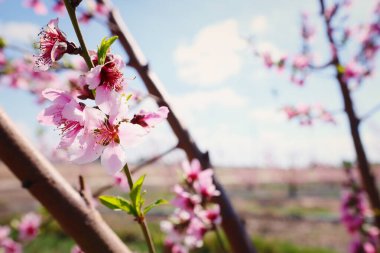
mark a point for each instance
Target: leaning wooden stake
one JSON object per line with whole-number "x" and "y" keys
{"x": 232, "y": 224}
{"x": 38, "y": 176}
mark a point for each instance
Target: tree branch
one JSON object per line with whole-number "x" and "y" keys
{"x": 39, "y": 177}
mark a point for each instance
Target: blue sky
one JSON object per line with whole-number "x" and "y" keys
{"x": 220, "y": 89}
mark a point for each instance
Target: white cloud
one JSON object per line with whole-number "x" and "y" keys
{"x": 267, "y": 115}
{"x": 19, "y": 31}
{"x": 213, "y": 56}
{"x": 259, "y": 25}
{"x": 198, "y": 101}
{"x": 201, "y": 100}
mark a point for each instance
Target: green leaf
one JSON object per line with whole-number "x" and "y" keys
{"x": 135, "y": 194}
{"x": 155, "y": 204}
{"x": 105, "y": 44}
{"x": 117, "y": 204}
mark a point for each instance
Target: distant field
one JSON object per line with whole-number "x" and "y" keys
{"x": 296, "y": 206}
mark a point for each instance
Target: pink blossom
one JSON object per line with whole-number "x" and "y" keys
{"x": 191, "y": 170}
{"x": 210, "y": 215}
{"x": 85, "y": 17}
{"x": 76, "y": 249}
{"x": 108, "y": 75}
{"x": 11, "y": 246}
{"x": 95, "y": 7}
{"x": 4, "y": 233}
{"x": 37, "y": 5}
{"x": 205, "y": 186}
{"x": 105, "y": 137}
{"x": 352, "y": 211}
{"x": 59, "y": 7}
{"x": 65, "y": 113}
{"x": 102, "y": 9}
{"x": 29, "y": 226}
{"x": 268, "y": 60}
{"x": 120, "y": 180}
{"x": 308, "y": 31}
{"x": 105, "y": 79}
{"x": 193, "y": 217}
{"x": 195, "y": 233}
{"x": 3, "y": 60}
{"x": 369, "y": 247}
{"x": 185, "y": 200}
{"x": 300, "y": 62}
{"x": 150, "y": 119}
{"x": 353, "y": 71}
{"x": 53, "y": 45}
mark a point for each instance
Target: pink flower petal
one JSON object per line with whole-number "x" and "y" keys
{"x": 130, "y": 134}
{"x": 88, "y": 151}
{"x": 104, "y": 99}
{"x": 113, "y": 158}
{"x": 58, "y": 51}
{"x": 93, "y": 77}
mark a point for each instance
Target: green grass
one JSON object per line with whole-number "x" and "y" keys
{"x": 58, "y": 243}
{"x": 275, "y": 246}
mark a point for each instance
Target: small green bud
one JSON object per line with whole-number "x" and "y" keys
{"x": 2, "y": 42}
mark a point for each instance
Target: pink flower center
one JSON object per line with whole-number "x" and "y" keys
{"x": 31, "y": 230}
{"x": 107, "y": 133}
{"x": 212, "y": 216}
{"x": 111, "y": 76}
{"x": 140, "y": 120}
{"x": 69, "y": 128}
{"x": 192, "y": 176}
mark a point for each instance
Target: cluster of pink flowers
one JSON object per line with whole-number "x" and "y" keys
{"x": 53, "y": 45}
{"x": 370, "y": 41}
{"x": 93, "y": 9}
{"x": 308, "y": 30}
{"x": 299, "y": 65}
{"x": 300, "y": 68}
{"x": 95, "y": 130}
{"x": 306, "y": 114}
{"x": 353, "y": 216}
{"x": 270, "y": 62}
{"x": 27, "y": 229}
{"x": 194, "y": 215}
{"x": 19, "y": 74}
{"x": 38, "y": 6}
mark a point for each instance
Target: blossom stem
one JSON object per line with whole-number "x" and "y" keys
{"x": 141, "y": 220}
{"x": 220, "y": 239}
{"x": 84, "y": 53}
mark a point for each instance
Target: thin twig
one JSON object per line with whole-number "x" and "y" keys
{"x": 367, "y": 115}
{"x": 102, "y": 189}
{"x": 220, "y": 239}
{"x": 82, "y": 191}
{"x": 152, "y": 160}
{"x": 74, "y": 21}
{"x": 140, "y": 220}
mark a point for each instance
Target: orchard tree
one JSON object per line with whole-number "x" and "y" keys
{"x": 350, "y": 67}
